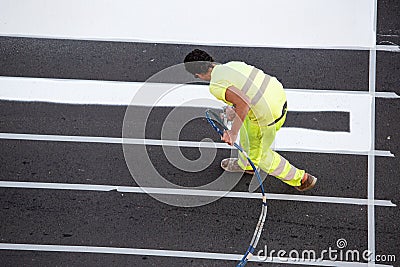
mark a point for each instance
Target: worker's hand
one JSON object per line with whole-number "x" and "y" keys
{"x": 229, "y": 137}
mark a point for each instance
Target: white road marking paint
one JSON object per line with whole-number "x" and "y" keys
{"x": 361, "y": 93}
{"x": 121, "y": 93}
{"x": 383, "y": 48}
{"x": 388, "y": 48}
{"x": 175, "y": 254}
{"x": 96, "y": 92}
{"x": 371, "y": 156}
{"x": 193, "y": 192}
{"x": 298, "y": 29}
{"x": 155, "y": 142}
{"x": 386, "y": 95}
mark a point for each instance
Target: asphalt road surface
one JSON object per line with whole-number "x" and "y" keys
{"x": 134, "y": 220}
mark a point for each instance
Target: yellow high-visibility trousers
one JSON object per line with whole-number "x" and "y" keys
{"x": 256, "y": 140}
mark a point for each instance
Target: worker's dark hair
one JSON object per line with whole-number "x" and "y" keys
{"x": 198, "y": 62}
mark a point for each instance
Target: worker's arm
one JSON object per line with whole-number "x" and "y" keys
{"x": 242, "y": 107}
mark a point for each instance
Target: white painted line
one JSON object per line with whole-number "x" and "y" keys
{"x": 175, "y": 95}
{"x": 98, "y": 92}
{"x": 378, "y": 153}
{"x": 307, "y": 23}
{"x": 155, "y": 142}
{"x": 371, "y": 157}
{"x": 193, "y": 192}
{"x": 121, "y": 93}
{"x": 386, "y": 95}
{"x": 112, "y": 140}
{"x": 383, "y": 48}
{"x": 371, "y": 208}
{"x": 360, "y": 93}
{"x": 175, "y": 254}
{"x": 388, "y": 48}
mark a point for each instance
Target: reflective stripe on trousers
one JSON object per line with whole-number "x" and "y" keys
{"x": 256, "y": 141}
{"x": 282, "y": 168}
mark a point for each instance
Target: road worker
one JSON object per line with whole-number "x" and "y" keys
{"x": 258, "y": 109}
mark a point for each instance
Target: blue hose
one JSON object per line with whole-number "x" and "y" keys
{"x": 263, "y": 216}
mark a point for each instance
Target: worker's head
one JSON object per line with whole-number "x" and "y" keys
{"x": 199, "y": 63}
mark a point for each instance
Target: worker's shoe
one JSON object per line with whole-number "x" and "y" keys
{"x": 231, "y": 165}
{"x": 308, "y": 182}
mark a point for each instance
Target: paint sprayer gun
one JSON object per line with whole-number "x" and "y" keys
{"x": 228, "y": 115}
